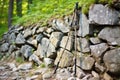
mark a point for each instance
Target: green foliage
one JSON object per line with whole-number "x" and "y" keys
{"x": 42, "y": 65}
{"x": 19, "y": 60}
{"x": 3, "y": 29}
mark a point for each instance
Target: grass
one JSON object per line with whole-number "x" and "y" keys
{"x": 3, "y": 29}
{"x": 43, "y": 10}
{"x": 19, "y": 60}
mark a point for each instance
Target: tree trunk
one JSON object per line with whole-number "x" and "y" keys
{"x": 19, "y": 8}
{"x": 29, "y": 3}
{"x": 10, "y": 13}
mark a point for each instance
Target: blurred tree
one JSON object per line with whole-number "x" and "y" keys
{"x": 19, "y": 8}
{"x": 29, "y": 4}
{"x": 10, "y": 12}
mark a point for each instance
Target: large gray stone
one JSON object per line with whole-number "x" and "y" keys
{"x": 20, "y": 39}
{"x": 55, "y": 38}
{"x": 49, "y": 62}
{"x": 35, "y": 59}
{"x": 61, "y": 26}
{"x": 26, "y": 51}
{"x": 39, "y": 37}
{"x": 86, "y": 63}
{"x": 67, "y": 43}
{"x": 98, "y": 50}
{"x": 27, "y": 33}
{"x": 83, "y": 45}
{"x": 111, "y": 34}
{"x": 12, "y": 38}
{"x": 46, "y": 49}
{"x": 112, "y": 60}
{"x": 64, "y": 74}
{"x": 95, "y": 40}
{"x": 84, "y": 28}
{"x": 25, "y": 66}
{"x": 4, "y": 47}
{"x": 66, "y": 60}
{"x": 103, "y": 15}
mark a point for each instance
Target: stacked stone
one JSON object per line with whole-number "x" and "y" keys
{"x": 98, "y": 44}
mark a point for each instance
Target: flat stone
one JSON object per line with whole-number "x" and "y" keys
{"x": 49, "y": 62}
{"x": 98, "y": 50}
{"x": 4, "y": 47}
{"x": 66, "y": 60}
{"x": 39, "y": 37}
{"x": 55, "y": 38}
{"x": 95, "y": 40}
{"x": 26, "y": 51}
{"x": 35, "y": 59}
{"x": 84, "y": 28}
{"x": 103, "y": 15}
{"x": 112, "y": 61}
{"x": 46, "y": 49}
{"x": 25, "y": 66}
{"x": 20, "y": 39}
{"x": 27, "y": 33}
{"x": 83, "y": 45}
{"x": 67, "y": 43}
{"x": 86, "y": 63}
{"x": 61, "y": 26}
{"x": 111, "y": 35}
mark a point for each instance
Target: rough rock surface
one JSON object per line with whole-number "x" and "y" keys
{"x": 111, "y": 34}
{"x": 103, "y": 15}
{"x": 98, "y": 50}
{"x": 20, "y": 39}
{"x": 112, "y": 61}
{"x": 67, "y": 43}
{"x": 67, "y": 58}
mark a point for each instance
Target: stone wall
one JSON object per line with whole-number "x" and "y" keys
{"x": 98, "y": 43}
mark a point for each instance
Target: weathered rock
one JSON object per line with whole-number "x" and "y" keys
{"x": 27, "y": 33}
{"x": 95, "y": 40}
{"x": 4, "y": 47}
{"x": 98, "y": 50}
{"x": 66, "y": 60}
{"x": 69, "y": 41}
{"x": 112, "y": 60}
{"x": 34, "y": 30}
{"x": 39, "y": 37}
{"x": 84, "y": 28}
{"x": 25, "y": 66}
{"x": 49, "y": 30}
{"x": 83, "y": 45}
{"x": 106, "y": 76}
{"x": 95, "y": 74}
{"x": 33, "y": 43}
{"x": 79, "y": 72}
{"x": 47, "y": 76}
{"x": 99, "y": 67}
{"x": 26, "y": 51}
{"x": 46, "y": 49}
{"x": 55, "y": 38}
{"x": 86, "y": 63}
{"x": 111, "y": 34}
{"x": 20, "y": 39}
{"x": 73, "y": 78}
{"x": 46, "y": 34}
{"x": 12, "y": 38}
{"x": 11, "y": 48}
{"x": 87, "y": 77}
{"x": 61, "y": 26}
{"x": 49, "y": 62}
{"x": 94, "y": 78}
{"x": 35, "y": 59}
{"x": 12, "y": 66}
{"x": 103, "y": 15}
{"x": 64, "y": 74}
{"x": 40, "y": 30}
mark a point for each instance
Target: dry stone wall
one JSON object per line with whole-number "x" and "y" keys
{"x": 98, "y": 43}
